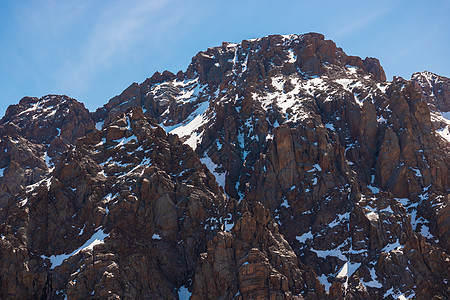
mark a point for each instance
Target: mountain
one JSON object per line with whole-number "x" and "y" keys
{"x": 278, "y": 168}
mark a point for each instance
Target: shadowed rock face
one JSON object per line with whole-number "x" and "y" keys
{"x": 278, "y": 168}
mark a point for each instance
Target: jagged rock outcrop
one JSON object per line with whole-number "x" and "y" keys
{"x": 277, "y": 168}
{"x": 33, "y": 135}
{"x": 144, "y": 193}
{"x": 435, "y": 89}
{"x": 253, "y": 261}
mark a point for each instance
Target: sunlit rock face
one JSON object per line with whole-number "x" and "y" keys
{"x": 277, "y": 168}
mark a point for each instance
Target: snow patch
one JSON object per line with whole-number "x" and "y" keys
{"x": 373, "y": 283}
{"x": 212, "y": 167}
{"x": 372, "y": 216}
{"x": 348, "y": 269}
{"x": 289, "y": 103}
{"x": 338, "y": 220}
{"x": 291, "y": 56}
{"x": 315, "y": 167}
{"x": 425, "y": 231}
{"x": 393, "y": 247}
{"x": 381, "y": 119}
{"x": 444, "y": 133}
{"x": 306, "y": 236}
{"x": 396, "y": 294}
{"x": 228, "y": 225}
{"x": 334, "y": 253}
{"x": 189, "y": 128}
{"x": 47, "y": 160}
{"x": 108, "y": 197}
{"x": 96, "y": 238}
{"x": 126, "y": 140}
{"x": 345, "y": 82}
{"x": 329, "y": 126}
{"x": 446, "y": 115}
{"x": 417, "y": 172}
{"x": 441, "y": 121}
{"x": 323, "y": 280}
{"x": 99, "y": 125}
{"x": 382, "y": 87}
{"x": 387, "y": 209}
{"x": 183, "y": 293}
{"x": 373, "y": 189}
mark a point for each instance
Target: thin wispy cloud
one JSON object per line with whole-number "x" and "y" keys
{"x": 359, "y": 22}
{"x": 116, "y": 29}
{"x": 50, "y": 17}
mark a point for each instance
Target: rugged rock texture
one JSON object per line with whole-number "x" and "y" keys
{"x": 436, "y": 91}
{"x": 144, "y": 196}
{"x": 278, "y": 168}
{"x": 253, "y": 261}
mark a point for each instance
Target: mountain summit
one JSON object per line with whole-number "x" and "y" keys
{"x": 277, "y": 168}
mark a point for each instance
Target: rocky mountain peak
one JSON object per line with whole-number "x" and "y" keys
{"x": 34, "y": 134}
{"x": 279, "y": 167}
{"x": 436, "y": 92}
{"x": 307, "y": 53}
{"x": 435, "y": 88}
{"x": 43, "y": 119}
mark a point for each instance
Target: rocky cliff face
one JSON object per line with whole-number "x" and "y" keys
{"x": 278, "y": 168}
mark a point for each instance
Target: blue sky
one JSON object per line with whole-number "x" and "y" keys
{"x": 93, "y": 50}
